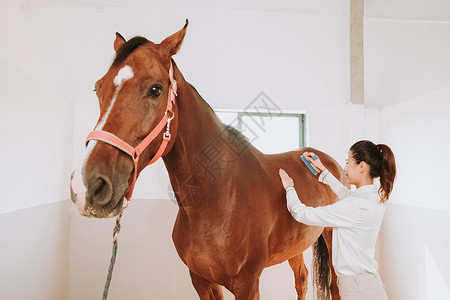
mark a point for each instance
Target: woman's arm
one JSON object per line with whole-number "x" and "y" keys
{"x": 340, "y": 214}
{"x": 338, "y": 188}
{"x": 326, "y": 177}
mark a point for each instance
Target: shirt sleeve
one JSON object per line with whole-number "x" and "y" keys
{"x": 338, "y": 188}
{"x": 343, "y": 213}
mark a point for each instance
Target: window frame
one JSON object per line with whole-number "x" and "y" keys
{"x": 240, "y": 113}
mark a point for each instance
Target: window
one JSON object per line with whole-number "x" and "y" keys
{"x": 268, "y": 131}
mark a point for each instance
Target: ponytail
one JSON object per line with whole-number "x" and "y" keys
{"x": 381, "y": 160}
{"x": 387, "y": 171}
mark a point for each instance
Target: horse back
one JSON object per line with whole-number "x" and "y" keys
{"x": 287, "y": 237}
{"x": 311, "y": 192}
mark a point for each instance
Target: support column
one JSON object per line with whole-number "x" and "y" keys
{"x": 356, "y": 51}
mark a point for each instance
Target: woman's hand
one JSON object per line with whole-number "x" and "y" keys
{"x": 285, "y": 179}
{"x": 314, "y": 161}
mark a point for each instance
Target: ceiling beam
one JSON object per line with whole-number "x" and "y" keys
{"x": 357, "y": 51}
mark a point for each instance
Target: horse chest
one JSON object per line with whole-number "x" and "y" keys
{"x": 206, "y": 250}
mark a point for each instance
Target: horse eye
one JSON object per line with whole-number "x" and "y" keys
{"x": 155, "y": 91}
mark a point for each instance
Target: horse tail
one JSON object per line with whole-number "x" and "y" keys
{"x": 321, "y": 269}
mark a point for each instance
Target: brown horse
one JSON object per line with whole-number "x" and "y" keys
{"x": 232, "y": 220}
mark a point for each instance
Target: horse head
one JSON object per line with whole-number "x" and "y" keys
{"x": 137, "y": 123}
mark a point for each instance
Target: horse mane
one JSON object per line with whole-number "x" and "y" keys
{"x": 237, "y": 135}
{"x": 126, "y": 49}
{"x": 233, "y": 132}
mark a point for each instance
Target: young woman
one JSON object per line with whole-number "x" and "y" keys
{"x": 356, "y": 217}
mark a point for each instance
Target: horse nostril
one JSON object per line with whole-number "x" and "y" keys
{"x": 102, "y": 191}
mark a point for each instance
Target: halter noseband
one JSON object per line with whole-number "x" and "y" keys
{"x": 135, "y": 153}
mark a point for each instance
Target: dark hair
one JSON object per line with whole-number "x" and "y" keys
{"x": 126, "y": 49}
{"x": 381, "y": 160}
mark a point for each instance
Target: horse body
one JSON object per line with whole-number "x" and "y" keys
{"x": 236, "y": 224}
{"x": 232, "y": 220}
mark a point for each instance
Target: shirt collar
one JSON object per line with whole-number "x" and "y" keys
{"x": 365, "y": 189}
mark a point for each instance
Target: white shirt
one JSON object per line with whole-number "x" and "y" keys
{"x": 356, "y": 219}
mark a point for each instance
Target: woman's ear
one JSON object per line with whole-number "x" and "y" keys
{"x": 362, "y": 167}
{"x": 173, "y": 42}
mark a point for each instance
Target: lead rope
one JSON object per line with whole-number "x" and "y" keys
{"x": 116, "y": 231}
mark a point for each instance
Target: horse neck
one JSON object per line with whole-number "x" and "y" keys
{"x": 197, "y": 123}
{"x": 197, "y": 127}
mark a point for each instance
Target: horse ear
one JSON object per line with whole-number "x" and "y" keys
{"x": 119, "y": 41}
{"x": 173, "y": 42}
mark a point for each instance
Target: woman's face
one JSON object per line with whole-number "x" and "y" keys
{"x": 352, "y": 171}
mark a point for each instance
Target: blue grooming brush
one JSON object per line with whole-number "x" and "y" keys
{"x": 309, "y": 165}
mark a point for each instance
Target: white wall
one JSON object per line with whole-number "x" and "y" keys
{"x": 36, "y": 125}
{"x": 34, "y": 249}
{"x": 36, "y": 131}
{"x": 414, "y": 246}
{"x": 406, "y": 50}
{"x": 35, "y": 160}
{"x": 407, "y": 57}
{"x": 419, "y": 132}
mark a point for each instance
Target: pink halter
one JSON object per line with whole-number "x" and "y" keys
{"x": 113, "y": 140}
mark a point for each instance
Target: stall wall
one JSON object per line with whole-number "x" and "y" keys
{"x": 407, "y": 61}
{"x": 414, "y": 248}
{"x": 35, "y": 158}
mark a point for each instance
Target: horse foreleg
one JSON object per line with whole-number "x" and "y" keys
{"x": 327, "y": 235}
{"x": 301, "y": 276}
{"x": 206, "y": 290}
{"x": 245, "y": 287}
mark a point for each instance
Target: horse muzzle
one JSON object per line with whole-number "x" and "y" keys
{"x": 94, "y": 194}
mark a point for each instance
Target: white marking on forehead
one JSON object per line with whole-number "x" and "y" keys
{"x": 77, "y": 183}
{"x": 123, "y": 75}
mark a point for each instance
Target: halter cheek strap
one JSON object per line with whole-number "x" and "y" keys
{"x": 135, "y": 153}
